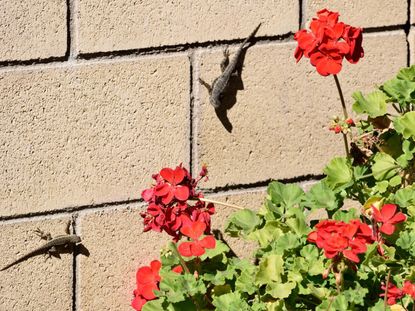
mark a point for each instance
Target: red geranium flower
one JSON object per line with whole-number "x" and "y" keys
{"x": 171, "y": 188}
{"x": 196, "y": 247}
{"x": 388, "y": 218}
{"x": 393, "y": 294}
{"x": 337, "y": 237}
{"x": 147, "y": 278}
{"x": 328, "y": 43}
{"x": 168, "y": 207}
{"x": 409, "y": 289}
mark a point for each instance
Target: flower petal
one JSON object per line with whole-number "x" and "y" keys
{"x": 178, "y": 176}
{"x": 195, "y": 230}
{"x": 197, "y": 249}
{"x": 387, "y": 211}
{"x": 181, "y": 193}
{"x": 138, "y": 303}
{"x": 168, "y": 174}
{"x": 185, "y": 249}
{"x": 387, "y": 228}
{"x": 208, "y": 242}
{"x": 399, "y": 217}
{"x": 351, "y": 255}
{"x": 144, "y": 275}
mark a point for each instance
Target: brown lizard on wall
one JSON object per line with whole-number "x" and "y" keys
{"x": 219, "y": 85}
{"x": 49, "y": 247}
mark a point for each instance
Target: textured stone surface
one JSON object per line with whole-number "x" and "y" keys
{"x": 280, "y": 120}
{"x": 32, "y": 29}
{"x": 362, "y": 13}
{"x": 411, "y": 41}
{"x": 251, "y": 200}
{"x": 90, "y": 134}
{"x": 34, "y": 284}
{"x": 117, "y": 247}
{"x": 125, "y": 24}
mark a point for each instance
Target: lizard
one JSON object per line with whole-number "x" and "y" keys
{"x": 219, "y": 85}
{"x": 49, "y": 247}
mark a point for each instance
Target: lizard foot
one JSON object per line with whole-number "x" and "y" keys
{"x": 225, "y": 61}
{"x": 43, "y": 235}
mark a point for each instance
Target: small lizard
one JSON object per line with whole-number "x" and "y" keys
{"x": 49, "y": 247}
{"x": 220, "y": 84}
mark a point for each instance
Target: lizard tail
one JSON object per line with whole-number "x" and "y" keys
{"x": 252, "y": 34}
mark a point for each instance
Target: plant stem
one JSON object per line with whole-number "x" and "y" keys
{"x": 182, "y": 262}
{"x": 381, "y": 171}
{"x": 221, "y": 203}
{"x": 345, "y": 114}
{"x": 386, "y": 291}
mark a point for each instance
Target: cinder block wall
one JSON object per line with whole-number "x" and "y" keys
{"x": 97, "y": 95}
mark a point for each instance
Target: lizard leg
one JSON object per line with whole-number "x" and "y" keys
{"x": 206, "y": 85}
{"x": 225, "y": 60}
{"x": 43, "y": 235}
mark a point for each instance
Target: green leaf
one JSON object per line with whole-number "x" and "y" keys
{"x": 379, "y": 306}
{"x": 374, "y": 104}
{"x": 230, "y": 302}
{"x": 176, "y": 287}
{"x": 220, "y": 248}
{"x": 401, "y": 91}
{"x": 244, "y": 281}
{"x": 285, "y": 195}
{"x": 407, "y": 73}
{"x": 298, "y": 222}
{"x": 270, "y": 269}
{"x": 245, "y": 220}
{"x": 406, "y": 240}
{"x": 405, "y": 197}
{"x": 280, "y": 290}
{"x": 339, "y": 174}
{"x": 406, "y": 125}
{"x": 384, "y": 166}
{"x": 286, "y": 242}
{"x": 356, "y": 295}
{"x": 346, "y": 215}
{"x": 270, "y": 232}
{"x": 321, "y": 196}
{"x": 154, "y": 305}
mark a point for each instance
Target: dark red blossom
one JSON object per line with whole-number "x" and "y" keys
{"x": 388, "y": 218}
{"x": 169, "y": 208}
{"x": 328, "y": 42}
{"x": 337, "y": 237}
{"x": 393, "y": 293}
{"x": 409, "y": 289}
{"x": 147, "y": 278}
{"x": 195, "y": 247}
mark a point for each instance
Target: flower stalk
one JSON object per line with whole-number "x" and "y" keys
{"x": 345, "y": 114}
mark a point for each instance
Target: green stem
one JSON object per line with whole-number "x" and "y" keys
{"x": 345, "y": 114}
{"x": 182, "y": 262}
{"x": 386, "y": 291}
{"x": 381, "y": 171}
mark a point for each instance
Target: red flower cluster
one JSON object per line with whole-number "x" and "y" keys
{"x": 147, "y": 281}
{"x": 168, "y": 208}
{"x": 338, "y": 237}
{"x": 195, "y": 247}
{"x": 388, "y": 218}
{"x": 328, "y": 42}
{"x": 394, "y": 293}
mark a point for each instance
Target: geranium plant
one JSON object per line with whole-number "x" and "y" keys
{"x": 356, "y": 258}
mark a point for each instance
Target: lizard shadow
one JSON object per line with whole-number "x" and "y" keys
{"x": 229, "y": 96}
